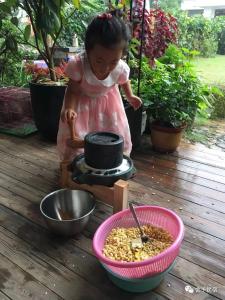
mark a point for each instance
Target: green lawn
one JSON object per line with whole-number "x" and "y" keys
{"x": 212, "y": 70}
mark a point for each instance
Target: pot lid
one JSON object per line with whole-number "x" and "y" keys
{"x": 103, "y": 138}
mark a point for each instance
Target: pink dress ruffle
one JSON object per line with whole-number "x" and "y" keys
{"x": 99, "y": 108}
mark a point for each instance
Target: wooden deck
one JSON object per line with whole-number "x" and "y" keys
{"x": 37, "y": 265}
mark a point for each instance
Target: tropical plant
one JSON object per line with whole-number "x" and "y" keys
{"x": 12, "y": 55}
{"x": 84, "y": 14}
{"x": 46, "y": 19}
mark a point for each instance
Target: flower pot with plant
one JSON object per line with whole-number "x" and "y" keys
{"x": 47, "y": 98}
{"x": 152, "y": 32}
{"x": 46, "y": 20}
{"x": 172, "y": 94}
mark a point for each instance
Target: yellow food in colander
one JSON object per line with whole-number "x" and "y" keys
{"x": 119, "y": 243}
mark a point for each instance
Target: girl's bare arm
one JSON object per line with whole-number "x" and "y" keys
{"x": 72, "y": 92}
{"x": 131, "y": 98}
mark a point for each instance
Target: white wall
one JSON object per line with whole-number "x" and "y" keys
{"x": 208, "y": 6}
{"x": 194, "y": 4}
{"x": 209, "y": 12}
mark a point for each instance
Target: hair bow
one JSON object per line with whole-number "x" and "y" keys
{"x": 105, "y": 16}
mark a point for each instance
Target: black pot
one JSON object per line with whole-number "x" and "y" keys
{"x": 135, "y": 120}
{"x": 103, "y": 150}
{"x": 47, "y": 103}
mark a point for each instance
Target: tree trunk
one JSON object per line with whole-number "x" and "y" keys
{"x": 51, "y": 68}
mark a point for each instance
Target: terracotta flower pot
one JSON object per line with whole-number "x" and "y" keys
{"x": 165, "y": 139}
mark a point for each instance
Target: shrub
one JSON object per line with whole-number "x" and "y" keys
{"x": 218, "y": 104}
{"x": 171, "y": 91}
{"x": 12, "y": 55}
{"x": 198, "y": 33}
{"x": 160, "y": 29}
{"x": 220, "y": 25}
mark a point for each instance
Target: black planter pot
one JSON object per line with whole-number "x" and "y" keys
{"x": 135, "y": 120}
{"x": 47, "y": 103}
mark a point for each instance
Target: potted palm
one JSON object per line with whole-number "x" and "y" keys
{"x": 172, "y": 94}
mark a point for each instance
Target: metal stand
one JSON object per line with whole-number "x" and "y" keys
{"x": 116, "y": 196}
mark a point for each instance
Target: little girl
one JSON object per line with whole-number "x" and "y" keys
{"x": 92, "y": 97}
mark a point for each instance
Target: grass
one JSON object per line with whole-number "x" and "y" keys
{"x": 211, "y": 70}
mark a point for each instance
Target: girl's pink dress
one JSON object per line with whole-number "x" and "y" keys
{"x": 99, "y": 107}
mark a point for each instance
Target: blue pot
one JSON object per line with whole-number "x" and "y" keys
{"x": 139, "y": 285}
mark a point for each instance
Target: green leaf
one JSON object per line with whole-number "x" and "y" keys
{"x": 27, "y": 32}
{"x": 85, "y": 24}
{"x": 39, "y": 35}
{"x": 56, "y": 21}
{"x": 3, "y": 45}
{"x": 120, "y": 6}
{"x": 10, "y": 2}
{"x": 135, "y": 41}
{"x": 15, "y": 46}
{"x": 49, "y": 25}
{"x": 53, "y": 6}
{"x": 11, "y": 44}
{"x": 89, "y": 5}
{"x": 15, "y": 21}
{"x": 76, "y": 3}
{"x": 58, "y": 2}
{"x": 5, "y": 8}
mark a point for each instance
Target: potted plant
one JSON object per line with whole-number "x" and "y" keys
{"x": 152, "y": 31}
{"x": 46, "y": 20}
{"x": 44, "y": 24}
{"x": 47, "y": 97}
{"x": 172, "y": 94}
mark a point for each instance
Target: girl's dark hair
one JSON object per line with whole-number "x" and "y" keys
{"x": 108, "y": 32}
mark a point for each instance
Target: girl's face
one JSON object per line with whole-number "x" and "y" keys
{"x": 103, "y": 60}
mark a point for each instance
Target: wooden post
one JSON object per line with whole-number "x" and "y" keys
{"x": 120, "y": 195}
{"x": 64, "y": 173}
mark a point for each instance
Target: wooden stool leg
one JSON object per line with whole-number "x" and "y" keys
{"x": 64, "y": 174}
{"x": 120, "y": 200}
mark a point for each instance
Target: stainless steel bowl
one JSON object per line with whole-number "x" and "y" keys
{"x": 67, "y": 212}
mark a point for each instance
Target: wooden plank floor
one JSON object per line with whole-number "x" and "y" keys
{"x": 37, "y": 265}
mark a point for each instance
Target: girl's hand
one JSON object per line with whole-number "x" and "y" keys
{"x": 68, "y": 115}
{"x": 135, "y": 102}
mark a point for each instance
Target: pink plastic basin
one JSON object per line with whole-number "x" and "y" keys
{"x": 154, "y": 215}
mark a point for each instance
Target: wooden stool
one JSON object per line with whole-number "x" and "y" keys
{"x": 116, "y": 196}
